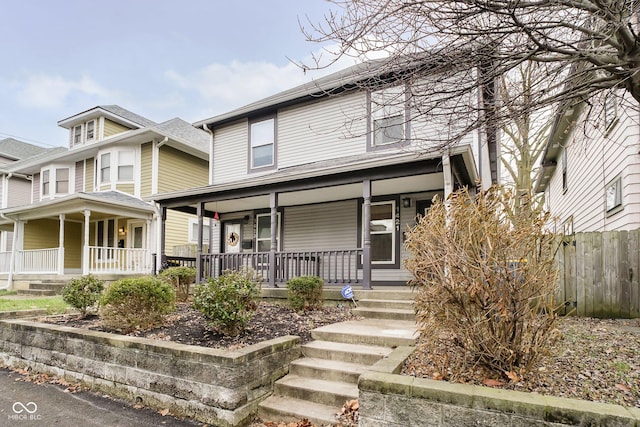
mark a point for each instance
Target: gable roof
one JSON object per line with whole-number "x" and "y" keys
{"x": 18, "y": 150}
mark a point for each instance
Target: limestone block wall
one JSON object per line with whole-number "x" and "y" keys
{"x": 391, "y": 400}
{"x": 218, "y": 387}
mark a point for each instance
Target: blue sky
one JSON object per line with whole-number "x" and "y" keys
{"x": 191, "y": 59}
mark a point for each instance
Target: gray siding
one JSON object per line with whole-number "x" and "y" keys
{"x": 35, "y": 187}
{"x": 230, "y": 153}
{"x": 19, "y": 192}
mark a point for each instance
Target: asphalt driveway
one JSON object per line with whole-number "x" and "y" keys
{"x": 28, "y": 404}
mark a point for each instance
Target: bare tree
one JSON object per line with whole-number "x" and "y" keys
{"x": 584, "y": 47}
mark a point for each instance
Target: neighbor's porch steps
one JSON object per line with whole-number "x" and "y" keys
{"x": 43, "y": 288}
{"x": 320, "y": 383}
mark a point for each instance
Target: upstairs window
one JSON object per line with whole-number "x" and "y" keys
{"x": 105, "y": 168}
{"x": 388, "y": 113}
{"x": 62, "y": 181}
{"x": 90, "y": 130}
{"x": 77, "y": 134}
{"x": 45, "y": 182}
{"x": 614, "y": 195}
{"x": 125, "y": 165}
{"x": 262, "y": 141}
{"x": 565, "y": 185}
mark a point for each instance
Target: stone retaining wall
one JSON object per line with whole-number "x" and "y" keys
{"x": 218, "y": 387}
{"x": 388, "y": 399}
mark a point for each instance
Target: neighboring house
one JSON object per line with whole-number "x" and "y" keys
{"x": 89, "y": 207}
{"x": 591, "y": 167}
{"x": 320, "y": 180}
{"x": 14, "y": 187}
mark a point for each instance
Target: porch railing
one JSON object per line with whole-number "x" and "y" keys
{"x": 333, "y": 266}
{"x": 118, "y": 260}
{"x": 5, "y": 262}
{"x": 37, "y": 261}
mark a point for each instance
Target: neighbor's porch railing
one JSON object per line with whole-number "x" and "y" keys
{"x": 333, "y": 266}
{"x": 5, "y": 262}
{"x": 119, "y": 260}
{"x": 38, "y": 260}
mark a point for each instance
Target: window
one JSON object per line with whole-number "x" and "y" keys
{"x": 62, "y": 181}
{"x": 388, "y": 116}
{"x": 614, "y": 194}
{"x": 193, "y": 230}
{"x": 263, "y": 232}
{"x": 105, "y": 168}
{"x": 383, "y": 235}
{"x": 262, "y": 142}
{"x": 610, "y": 111}
{"x": 90, "y": 132}
{"x": 77, "y": 134}
{"x": 125, "y": 165}
{"x": 106, "y": 238}
{"x": 45, "y": 182}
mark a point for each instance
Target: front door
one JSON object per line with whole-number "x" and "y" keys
{"x": 232, "y": 238}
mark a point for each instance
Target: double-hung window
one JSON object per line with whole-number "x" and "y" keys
{"x": 125, "y": 165}
{"x": 105, "y": 168}
{"x": 262, "y": 142}
{"x": 77, "y": 134}
{"x": 55, "y": 181}
{"x": 614, "y": 195}
{"x": 388, "y": 117}
{"x": 62, "y": 180}
{"x": 90, "y": 132}
{"x": 46, "y": 182}
{"x": 116, "y": 165}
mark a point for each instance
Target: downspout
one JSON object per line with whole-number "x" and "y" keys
{"x": 164, "y": 141}
{"x": 210, "y": 132}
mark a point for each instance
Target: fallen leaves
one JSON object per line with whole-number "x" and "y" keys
{"x": 349, "y": 414}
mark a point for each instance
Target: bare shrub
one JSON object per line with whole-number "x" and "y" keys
{"x": 485, "y": 284}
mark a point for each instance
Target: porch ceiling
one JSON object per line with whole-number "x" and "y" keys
{"x": 405, "y": 185}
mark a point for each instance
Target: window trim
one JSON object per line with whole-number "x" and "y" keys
{"x": 93, "y": 130}
{"x": 563, "y": 160}
{"x": 46, "y": 193}
{"x": 51, "y": 171}
{"x": 610, "y": 111}
{"x": 379, "y": 114}
{"x": 76, "y": 137}
{"x": 274, "y": 144}
{"x": 278, "y": 234}
{"x": 114, "y": 166}
{"x": 395, "y": 200}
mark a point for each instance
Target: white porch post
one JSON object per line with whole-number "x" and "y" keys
{"x": 148, "y": 254}
{"x": 15, "y": 247}
{"x": 273, "y": 202}
{"x": 448, "y": 176}
{"x": 61, "y": 245}
{"x": 366, "y": 235}
{"x": 85, "y": 246}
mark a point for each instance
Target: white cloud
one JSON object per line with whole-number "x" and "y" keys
{"x": 44, "y": 91}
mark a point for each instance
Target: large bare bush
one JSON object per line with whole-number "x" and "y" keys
{"x": 485, "y": 284}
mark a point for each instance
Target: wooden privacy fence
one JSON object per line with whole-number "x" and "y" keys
{"x": 599, "y": 273}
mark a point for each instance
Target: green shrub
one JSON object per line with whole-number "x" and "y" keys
{"x": 83, "y": 292}
{"x": 181, "y": 278}
{"x": 305, "y": 292}
{"x": 136, "y": 303}
{"x": 229, "y": 301}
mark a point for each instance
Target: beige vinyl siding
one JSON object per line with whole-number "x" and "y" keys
{"x": 35, "y": 187}
{"x": 41, "y": 234}
{"x": 178, "y": 170}
{"x": 146, "y": 169}
{"x": 593, "y": 162}
{"x": 73, "y": 244}
{"x": 231, "y": 148}
{"x": 176, "y": 230}
{"x": 126, "y": 188}
{"x": 112, "y": 128}
{"x": 79, "y": 181}
{"x": 18, "y": 192}
{"x": 89, "y": 175}
{"x": 321, "y": 227}
{"x": 329, "y": 128}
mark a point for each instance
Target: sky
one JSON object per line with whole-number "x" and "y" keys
{"x": 161, "y": 59}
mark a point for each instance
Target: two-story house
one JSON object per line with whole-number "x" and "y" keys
{"x": 90, "y": 206}
{"x": 322, "y": 179}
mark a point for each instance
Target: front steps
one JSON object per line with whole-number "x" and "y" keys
{"x": 386, "y": 304}
{"x": 43, "y": 288}
{"x": 320, "y": 383}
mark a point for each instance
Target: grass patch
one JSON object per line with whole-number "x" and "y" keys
{"x": 52, "y": 305}
{"x": 4, "y": 292}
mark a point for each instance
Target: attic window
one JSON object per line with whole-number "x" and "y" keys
{"x": 77, "y": 134}
{"x": 91, "y": 125}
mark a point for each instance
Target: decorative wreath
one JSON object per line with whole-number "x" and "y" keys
{"x": 233, "y": 239}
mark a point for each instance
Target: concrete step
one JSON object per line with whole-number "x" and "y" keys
{"x": 376, "y": 332}
{"x": 331, "y": 393}
{"x": 400, "y": 293}
{"x": 47, "y": 286}
{"x": 350, "y": 353}
{"x": 287, "y": 409}
{"x": 385, "y": 313}
{"x": 386, "y": 303}
{"x": 331, "y": 370}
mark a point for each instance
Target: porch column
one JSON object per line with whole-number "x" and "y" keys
{"x": 14, "y": 251}
{"x": 163, "y": 233}
{"x": 85, "y": 245}
{"x": 61, "y": 245}
{"x": 448, "y": 176}
{"x": 273, "y": 203}
{"x": 199, "y": 272}
{"x": 148, "y": 254}
{"x": 366, "y": 234}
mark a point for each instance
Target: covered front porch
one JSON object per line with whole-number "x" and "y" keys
{"x": 345, "y": 223}
{"x": 85, "y": 233}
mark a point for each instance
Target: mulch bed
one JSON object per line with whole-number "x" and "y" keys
{"x": 187, "y": 326}
{"x": 595, "y": 359}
